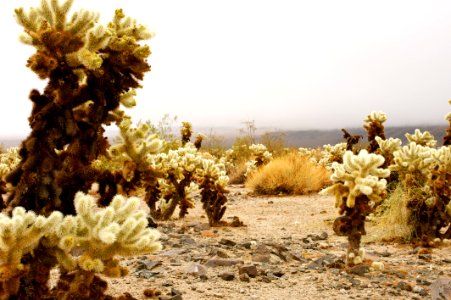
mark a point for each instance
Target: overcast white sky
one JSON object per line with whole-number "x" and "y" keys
{"x": 284, "y": 64}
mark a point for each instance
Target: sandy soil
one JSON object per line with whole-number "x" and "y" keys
{"x": 287, "y": 250}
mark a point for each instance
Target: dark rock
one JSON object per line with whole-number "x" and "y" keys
{"x": 420, "y": 291}
{"x": 147, "y": 264}
{"x": 322, "y": 261}
{"x": 426, "y": 257}
{"x": 246, "y": 245}
{"x": 187, "y": 241}
{"x": 318, "y": 237}
{"x": 176, "y": 294}
{"x": 423, "y": 281}
{"x": 227, "y": 242}
{"x": 359, "y": 270}
{"x": 441, "y": 289}
{"x": 249, "y": 270}
{"x": 402, "y": 285}
{"x": 244, "y": 277}
{"x": 227, "y": 276}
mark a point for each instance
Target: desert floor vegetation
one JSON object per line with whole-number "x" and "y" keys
{"x": 288, "y": 174}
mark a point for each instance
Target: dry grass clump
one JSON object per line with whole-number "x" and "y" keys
{"x": 392, "y": 218}
{"x": 290, "y": 174}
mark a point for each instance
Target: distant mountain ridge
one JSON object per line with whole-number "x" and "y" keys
{"x": 293, "y": 138}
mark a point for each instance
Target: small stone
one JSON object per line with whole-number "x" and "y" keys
{"x": 359, "y": 270}
{"x": 262, "y": 258}
{"x": 402, "y": 285}
{"x": 196, "y": 269}
{"x": 244, "y": 277}
{"x": 250, "y": 270}
{"x": 220, "y": 262}
{"x": 227, "y": 242}
{"x": 419, "y": 290}
{"x": 227, "y": 276}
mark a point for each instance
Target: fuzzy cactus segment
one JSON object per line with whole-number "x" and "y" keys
{"x": 412, "y": 162}
{"x": 425, "y": 139}
{"x": 358, "y": 175}
{"x": 102, "y": 233}
{"x": 20, "y": 234}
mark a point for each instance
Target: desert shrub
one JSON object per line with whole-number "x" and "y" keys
{"x": 292, "y": 174}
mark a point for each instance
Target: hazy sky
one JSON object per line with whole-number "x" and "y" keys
{"x": 284, "y": 64}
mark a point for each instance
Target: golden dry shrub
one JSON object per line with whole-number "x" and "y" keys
{"x": 290, "y": 174}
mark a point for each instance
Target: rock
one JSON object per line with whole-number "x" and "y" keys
{"x": 244, "y": 277}
{"x": 249, "y": 270}
{"x": 146, "y": 274}
{"x": 220, "y": 262}
{"x": 261, "y": 258}
{"x": 197, "y": 270}
{"x": 222, "y": 254}
{"x": 187, "y": 241}
{"x": 359, "y": 270}
{"x": 318, "y": 237}
{"x": 420, "y": 291}
{"x": 227, "y": 276}
{"x": 227, "y": 242}
{"x": 176, "y": 294}
{"x": 147, "y": 264}
{"x": 402, "y": 285}
{"x": 426, "y": 257}
{"x": 322, "y": 261}
{"x": 441, "y": 289}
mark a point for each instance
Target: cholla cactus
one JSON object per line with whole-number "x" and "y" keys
{"x": 198, "y": 142}
{"x": 91, "y": 73}
{"x": 103, "y": 233}
{"x": 375, "y": 128}
{"x": 358, "y": 189}
{"x": 186, "y": 171}
{"x": 422, "y": 138}
{"x": 8, "y": 161}
{"x": 387, "y": 148}
{"x": 331, "y": 154}
{"x": 436, "y": 214}
{"x": 213, "y": 182}
{"x": 447, "y": 137}
{"x": 351, "y": 140}
{"x": 412, "y": 162}
{"x": 305, "y": 151}
{"x": 261, "y": 156}
{"x": 186, "y": 131}
{"x": 20, "y": 234}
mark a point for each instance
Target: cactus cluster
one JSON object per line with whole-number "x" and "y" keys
{"x": 358, "y": 187}
{"x": 92, "y": 72}
{"x": 425, "y": 139}
{"x": 99, "y": 234}
{"x": 260, "y": 156}
{"x": 375, "y": 128}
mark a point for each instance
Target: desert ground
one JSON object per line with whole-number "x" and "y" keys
{"x": 286, "y": 250}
